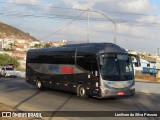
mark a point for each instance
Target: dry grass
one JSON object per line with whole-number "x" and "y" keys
{"x": 147, "y": 77}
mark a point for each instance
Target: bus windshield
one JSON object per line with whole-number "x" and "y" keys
{"x": 117, "y": 67}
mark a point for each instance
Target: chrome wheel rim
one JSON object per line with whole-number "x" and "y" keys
{"x": 82, "y": 91}
{"x": 39, "y": 84}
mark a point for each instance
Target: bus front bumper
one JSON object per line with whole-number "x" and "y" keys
{"x": 105, "y": 93}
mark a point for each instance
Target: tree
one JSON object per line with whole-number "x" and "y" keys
{"x": 37, "y": 45}
{"x": 47, "y": 45}
{"x": 7, "y": 59}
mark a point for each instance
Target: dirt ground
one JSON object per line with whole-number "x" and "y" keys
{"x": 7, "y": 108}
{"x": 4, "y": 108}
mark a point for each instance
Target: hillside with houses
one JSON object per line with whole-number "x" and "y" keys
{"x": 16, "y": 42}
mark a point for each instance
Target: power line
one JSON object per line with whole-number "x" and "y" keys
{"x": 57, "y": 7}
{"x": 67, "y": 17}
{"x": 129, "y": 13}
{"x": 71, "y": 17}
{"x": 63, "y": 26}
{"x": 37, "y": 5}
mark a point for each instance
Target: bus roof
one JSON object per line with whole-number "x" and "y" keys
{"x": 86, "y": 47}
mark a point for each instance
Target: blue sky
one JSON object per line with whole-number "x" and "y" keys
{"x": 138, "y": 21}
{"x": 157, "y": 4}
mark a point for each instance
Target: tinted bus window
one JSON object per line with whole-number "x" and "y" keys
{"x": 31, "y": 57}
{"x": 86, "y": 61}
{"x": 57, "y": 58}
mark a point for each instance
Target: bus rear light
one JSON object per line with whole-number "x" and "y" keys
{"x": 120, "y": 93}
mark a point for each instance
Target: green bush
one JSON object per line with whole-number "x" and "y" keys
{"x": 7, "y": 59}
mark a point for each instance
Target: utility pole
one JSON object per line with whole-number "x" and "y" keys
{"x": 158, "y": 51}
{"x": 114, "y": 23}
{"x": 88, "y": 25}
{"x": 108, "y": 18}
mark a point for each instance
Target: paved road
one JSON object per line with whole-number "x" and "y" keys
{"x": 20, "y": 95}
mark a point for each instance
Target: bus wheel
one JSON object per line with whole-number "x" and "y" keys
{"x": 39, "y": 84}
{"x": 82, "y": 92}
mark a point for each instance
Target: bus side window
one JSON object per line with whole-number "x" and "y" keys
{"x": 64, "y": 58}
{"x": 82, "y": 62}
{"x": 87, "y": 62}
{"x": 57, "y": 57}
{"x": 70, "y": 57}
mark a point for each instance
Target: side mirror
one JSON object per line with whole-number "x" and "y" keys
{"x": 136, "y": 57}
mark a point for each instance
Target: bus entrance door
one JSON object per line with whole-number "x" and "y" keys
{"x": 94, "y": 78}
{"x": 95, "y": 84}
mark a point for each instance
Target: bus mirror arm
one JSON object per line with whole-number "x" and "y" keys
{"x": 138, "y": 63}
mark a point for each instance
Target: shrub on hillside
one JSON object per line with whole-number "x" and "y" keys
{"x": 7, "y": 59}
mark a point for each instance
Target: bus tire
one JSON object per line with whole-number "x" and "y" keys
{"x": 39, "y": 85}
{"x": 82, "y": 92}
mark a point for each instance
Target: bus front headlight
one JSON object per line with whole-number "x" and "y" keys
{"x": 133, "y": 87}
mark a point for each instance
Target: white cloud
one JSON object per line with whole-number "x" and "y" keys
{"x": 137, "y": 6}
{"x": 48, "y": 8}
{"x": 77, "y": 4}
{"x": 32, "y": 2}
{"x": 137, "y": 31}
{"x": 150, "y": 19}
